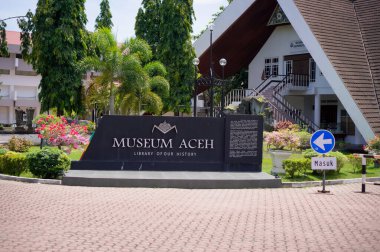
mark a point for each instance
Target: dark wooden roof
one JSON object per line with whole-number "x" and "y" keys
{"x": 242, "y": 40}
{"x": 349, "y": 33}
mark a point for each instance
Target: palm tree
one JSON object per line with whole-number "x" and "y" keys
{"x": 126, "y": 74}
{"x": 152, "y": 89}
{"x": 107, "y": 62}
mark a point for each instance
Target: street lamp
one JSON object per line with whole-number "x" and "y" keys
{"x": 195, "y": 63}
{"x": 222, "y": 63}
{"x": 211, "y": 28}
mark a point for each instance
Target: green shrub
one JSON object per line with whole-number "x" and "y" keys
{"x": 340, "y": 145}
{"x": 309, "y": 153}
{"x": 13, "y": 163}
{"x": 3, "y": 151}
{"x": 341, "y": 159}
{"x": 356, "y": 163}
{"x": 1, "y": 127}
{"x": 299, "y": 165}
{"x": 304, "y": 137}
{"x": 19, "y": 144}
{"x": 48, "y": 163}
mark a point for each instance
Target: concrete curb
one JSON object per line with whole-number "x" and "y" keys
{"x": 328, "y": 182}
{"x": 31, "y": 180}
{"x": 284, "y": 184}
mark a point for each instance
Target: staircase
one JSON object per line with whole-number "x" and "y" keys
{"x": 273, "y": 89}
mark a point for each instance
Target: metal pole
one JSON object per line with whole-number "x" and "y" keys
{"x": 212, "y": 79}
{"x": 222, "y": 103}
{"x": 195, "y": 93}
{"x": 364, "y": 172}
{"x": 324, "y": 181}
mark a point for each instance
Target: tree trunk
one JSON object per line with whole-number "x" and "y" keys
{"x": 59, "y": 112}
{"x": 112, "y": 101}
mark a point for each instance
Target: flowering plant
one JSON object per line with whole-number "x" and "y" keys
{"x": 373, "y": 145}
{"x": 282, "y": 125}
{"x": 282, "y": 140}
{"x": 59, "y": 133}
{"x": 44, "y": 119}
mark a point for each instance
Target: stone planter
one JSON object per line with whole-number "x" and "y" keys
{"x": 277, "y": 157}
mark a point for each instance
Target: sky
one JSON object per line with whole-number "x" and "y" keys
{"x": 123, "y": 14}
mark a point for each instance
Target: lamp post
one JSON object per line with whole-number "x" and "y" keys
{"x": 195, "y": 63}
{"x": 211, "y": 28}
{"x": 222, "y": 63}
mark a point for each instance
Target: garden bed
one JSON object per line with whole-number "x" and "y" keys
{"x": 346, "y": 172}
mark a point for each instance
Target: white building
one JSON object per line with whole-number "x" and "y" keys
{"x": 19, "y": 88}
{"x": 316, "y": 61}
{"x": 19, "y": 82}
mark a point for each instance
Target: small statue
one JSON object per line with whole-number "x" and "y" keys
{"x": 29, "y": 118}
{"x": 19, "y": 116}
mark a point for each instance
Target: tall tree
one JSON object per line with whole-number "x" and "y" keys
{"x": 105, "y": 17}
{"x": 3, "y": 40}
{"x": 58, "y": 46}
{"x": 175, "y": 50}
{"x": 147, "y": 26}
{"x": 26, "y": 25}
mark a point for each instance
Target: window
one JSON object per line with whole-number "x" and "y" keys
{"x": 312, "y": 70}
{"x": 271, "y": 67}
{"x": 288, "y": 67}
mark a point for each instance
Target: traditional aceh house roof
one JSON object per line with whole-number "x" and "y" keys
{"x": 341, "y": 35}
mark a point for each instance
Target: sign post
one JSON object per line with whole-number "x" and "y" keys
{"x": 323, "y": 141}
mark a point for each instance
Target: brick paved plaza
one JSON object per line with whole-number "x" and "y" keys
{"x": 36, "y": 217}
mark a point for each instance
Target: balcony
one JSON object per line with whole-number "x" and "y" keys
{"x": 297, "y": 82}
{"x": 23, "y": 68}
{"x": 20, "y": 66}
{"x": 6, "y": 64}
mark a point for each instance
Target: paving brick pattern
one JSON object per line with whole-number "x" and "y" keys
{"x": 36, "y": 217}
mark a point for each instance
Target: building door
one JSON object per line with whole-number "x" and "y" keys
{"x": 300, "y": 63}
{"x": 329, "y": 116}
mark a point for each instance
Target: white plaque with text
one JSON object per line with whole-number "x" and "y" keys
{"x": 323, "y": 163}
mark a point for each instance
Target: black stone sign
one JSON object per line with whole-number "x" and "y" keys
{"x": 233, "y": 143}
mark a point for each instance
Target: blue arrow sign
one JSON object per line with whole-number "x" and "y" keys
{"x": 322, "y": 141}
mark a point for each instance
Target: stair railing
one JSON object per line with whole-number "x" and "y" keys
{"x": 293, "y": 112}
{"x": 268, "y": 81}
{"x": 237, "y": 95}
{"x": 293, "y": 80}
{"x": 282, "y": 109}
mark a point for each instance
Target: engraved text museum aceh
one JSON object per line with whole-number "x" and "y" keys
{"x": 233, "y": 143}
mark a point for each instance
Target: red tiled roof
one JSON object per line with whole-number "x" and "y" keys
{"x": 348, "y": 31}
{"x": 13, "y": 38}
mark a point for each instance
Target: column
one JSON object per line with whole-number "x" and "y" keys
{"x": 317, "y": 109}
{"x": 339, "y": 117}
{"x": 12, "y": 116}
